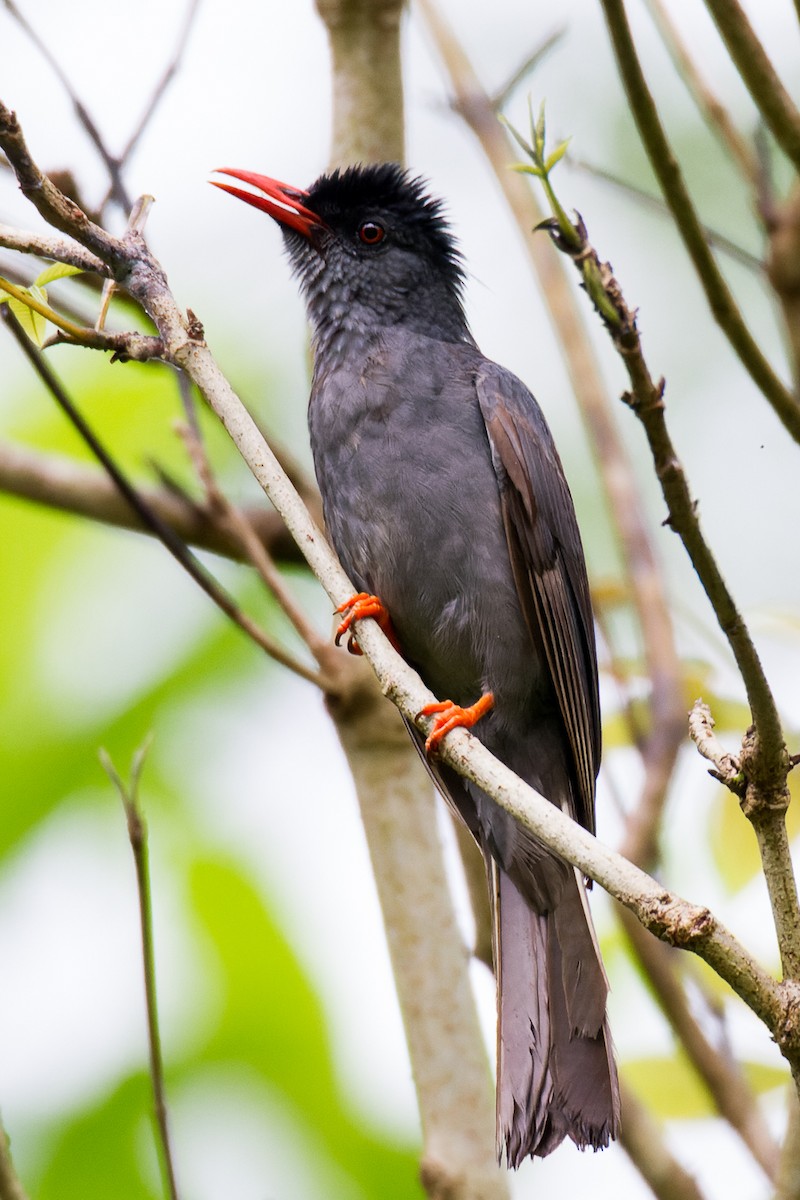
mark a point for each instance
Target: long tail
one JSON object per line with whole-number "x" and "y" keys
{"x": 556, "y": 1076}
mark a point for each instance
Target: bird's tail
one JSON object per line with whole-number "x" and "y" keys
{"x": 556, "y": 1075}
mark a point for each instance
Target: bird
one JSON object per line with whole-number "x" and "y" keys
{"x": 445, "y": 499}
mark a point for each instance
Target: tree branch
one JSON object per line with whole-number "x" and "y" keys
{"x": 709, "y": 105}
{"x": 10, "y": 1186}
{"x": 64, "y": 250}
{"x": 759, "y": 76}
{"x": 668, "y": 173}
{"x": 137, "y": 836}
{"x": 642, "y": 571}
{"x": 60, "y": 482}
{"x": 765, "y": 761}
{"x": 642, "y": 1141}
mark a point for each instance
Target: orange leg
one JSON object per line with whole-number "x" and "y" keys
{"x": 355, "y": 609}
{"x": 452, "y": 716}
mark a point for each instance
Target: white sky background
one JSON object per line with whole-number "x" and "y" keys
{"x": 253, "y": 92}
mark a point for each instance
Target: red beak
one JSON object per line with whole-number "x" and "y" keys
{"x": 282, "y": 202}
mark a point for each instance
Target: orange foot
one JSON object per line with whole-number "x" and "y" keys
{"x": 355, "y": 609}
{"x": 453, "y": 716}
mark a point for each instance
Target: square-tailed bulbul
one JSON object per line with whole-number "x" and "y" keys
{"x": 444, "y": 496}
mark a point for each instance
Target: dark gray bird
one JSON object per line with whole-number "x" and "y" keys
{"x": 444, "y": 496}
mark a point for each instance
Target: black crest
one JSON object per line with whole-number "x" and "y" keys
{"x": 346, "y": 197}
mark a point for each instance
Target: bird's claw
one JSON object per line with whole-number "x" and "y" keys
{"x": 355, "y": 609}
{"x": 448, "y": 715}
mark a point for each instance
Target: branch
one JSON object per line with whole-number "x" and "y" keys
{"x": 711, "y": 108}
{"x": 56, "y": 208}
{"x": 60, "y": 249}
{"x": 643, "y": 575}
{"x": 758, "y": 75}
{"x": 727, "y": 768}
{"x": 644, "y": 1144}
{"x": 166, "y": 535}
{"x": 137, "y": 836}
{"x": 720, "y": 1073}
{"x": 364, "y": 38}
{"x": 10, "y": 1186}
{"x": 82, "y": 113}
{"x": 60, "y": 482}
{"x": 668, "y": 173}
{"x": 765, "y": 761}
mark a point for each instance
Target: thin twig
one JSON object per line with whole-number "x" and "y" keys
{"x": 644, "y": 1143}
{"x": 758, "y": 75}
{"x": 82, "y": 113}
{"x": 170, "y": 71}
{"x": 62, "y": 483}
{"x": 137, "y": 835}
{"x": 500, "y": 97}
{"x": 10, "y": 1186}
{"x": 727, "y": 768}
{"x": 643, "y": 574}
{"x": 657, "y": 204}
{"x": 718, "y": 1069}
{"x": 719, "y": 296}
{"x": 710, "y": 106}
{"x": 177, "y": 548}
{"x": 253, "y": 549}
{"x": 140, "y": 347}
{"x": 157, "y": 95}
{"x": 764, "y": 759}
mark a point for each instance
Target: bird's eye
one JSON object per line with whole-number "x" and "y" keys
{"x": 371, "y": 233}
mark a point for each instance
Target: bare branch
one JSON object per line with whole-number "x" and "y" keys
{"x": 765, "y": 760}
{"x": 59, "y": 249}
{"x": 170, "y": 71}
{"x": 56, "y": 208}
{"x": 710, "y": 106}
{"x": 137, "y": 836}
{"x": 10, "y": 1186}
{"x": 499, "y": 99}
{"x": 177, "y": 548}
{"x": 62, "y": 483}
{"x": 759, "y": 76}
{"x": 644, "y": 1144}
{"x": 728, "y": 769}
{"x": 723, "y": 306}
{"x": 642, "y": 570}
{"x": 719, "y": 1071}
{"x": 82, "y": 113}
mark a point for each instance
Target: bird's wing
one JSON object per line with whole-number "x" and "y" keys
{"x": 547, "y": 559}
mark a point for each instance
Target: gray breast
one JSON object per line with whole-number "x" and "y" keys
{"x": 412, "y": 506}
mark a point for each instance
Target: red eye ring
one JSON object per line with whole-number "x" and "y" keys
{"x": 371, "y": 233}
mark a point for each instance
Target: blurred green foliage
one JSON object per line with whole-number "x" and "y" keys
{"x": 263, "y": 1031}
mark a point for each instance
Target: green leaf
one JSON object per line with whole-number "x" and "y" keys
{"x": 56, "y": 271}
{"x": 670, "y": 1087}
{"x": 556, "y": 155}
{"x": 33, "y": 323}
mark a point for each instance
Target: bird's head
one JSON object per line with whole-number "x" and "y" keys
{"x": 369, "y": 245}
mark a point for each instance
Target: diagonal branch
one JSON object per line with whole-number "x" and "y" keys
{"x": 62, "y": 483}
{"x": 643, "y": 573}
{"x": 166, "y": 535}
{"x": 719, "y": 296}
{"x": 759, "y": 76}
